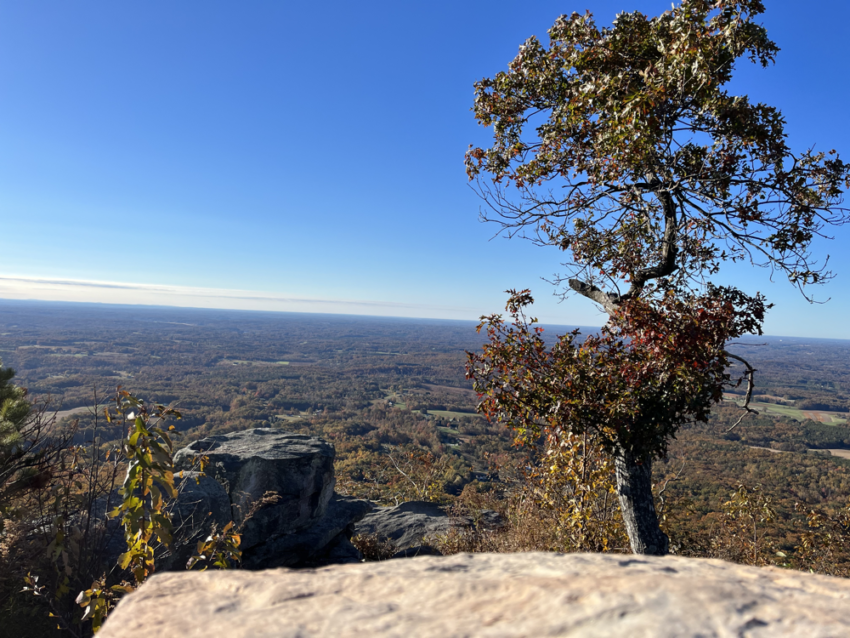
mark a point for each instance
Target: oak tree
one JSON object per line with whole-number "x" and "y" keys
{"x": 622, "y": 147}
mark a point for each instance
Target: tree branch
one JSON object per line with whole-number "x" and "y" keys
{"x": 750, "y": 384}
{"x": 609, "y": 301}
{"x": 667, "y": 264}
{"x": 660, "y": 496}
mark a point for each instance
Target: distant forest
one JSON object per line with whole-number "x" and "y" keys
{"x": 375, "y": 387}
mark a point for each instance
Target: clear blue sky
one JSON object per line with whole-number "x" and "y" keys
{"x": 308, "y": 156}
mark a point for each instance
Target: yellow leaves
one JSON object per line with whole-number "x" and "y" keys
{"x": 83, "y": 598}
{"x": 220, "y": 549}
{"x": 96, "y": 602}
{"x": 576, "y": 484}
{"x": 149, "y": 480}
{"x": 124, "y": 559}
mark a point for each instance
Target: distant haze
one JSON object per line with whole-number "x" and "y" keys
{"x": 308, "y": 157}
{"x": 30, "y": 288}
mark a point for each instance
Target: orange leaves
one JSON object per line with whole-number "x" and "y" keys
{"x": 658, "y": 365}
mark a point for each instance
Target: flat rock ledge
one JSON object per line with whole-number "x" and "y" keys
{"x": 534, "y": 594}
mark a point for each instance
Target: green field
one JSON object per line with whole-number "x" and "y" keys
{"x": 395, "y": 397}
{"x": 448, "y": 414}
{"x": 774, "y": 409}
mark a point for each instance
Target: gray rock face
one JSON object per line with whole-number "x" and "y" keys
{"x": 489, "y": 595}
{"x": 248, "y": 464}
{"x": 201, "y": 502}
{"x": 405, "y": 525}
{"x": 326, "y": 541}
{"x": 408, "y": 526}
{"x": 301, "y": 527}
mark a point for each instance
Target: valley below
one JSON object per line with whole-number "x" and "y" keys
{"x": 383, "y": 389}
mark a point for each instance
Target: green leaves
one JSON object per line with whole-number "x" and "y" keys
{"x": 220, "y": 549}
{"x": 14, "y": 411}
{"x": 99, "y": 599}
{"x": 149, "y": 480}
{"x": 624, "y": 126}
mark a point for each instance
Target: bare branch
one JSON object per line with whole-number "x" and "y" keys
{"x": 750, "y": 384}
{"x": 607, "y": 300}
{"x": 660, "y": 496}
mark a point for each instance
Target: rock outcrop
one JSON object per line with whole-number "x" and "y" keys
{"x": 534, "y": 594}
{"x": 307, "y": 524}
{"x": 410, "y": 526}
{"x": 407, "y": 526}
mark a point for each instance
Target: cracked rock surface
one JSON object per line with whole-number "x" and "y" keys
{"x": 533, "y": 594}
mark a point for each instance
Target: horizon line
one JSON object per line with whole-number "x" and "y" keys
{"x": 124, "y": 286}
{"x": 28, "y": 288}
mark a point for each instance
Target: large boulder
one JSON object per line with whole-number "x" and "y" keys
{"x": 327, "y": 541}
{"x": 296, "y": 467}
{"x": 410, "y": 527}
{"x": 407, "y": 526}
{"x": 532, "y": 594}
{"x": 304, "y": 523}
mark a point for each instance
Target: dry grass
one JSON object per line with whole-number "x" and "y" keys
{"x": 373, "y": 547}
{"x": 528, "y": 525}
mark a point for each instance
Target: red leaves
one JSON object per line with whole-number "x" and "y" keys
{"x": 659, "y": 364}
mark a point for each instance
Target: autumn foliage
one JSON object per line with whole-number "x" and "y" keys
{"x": 650, "y": 370}
{"x": 623, "y": 148}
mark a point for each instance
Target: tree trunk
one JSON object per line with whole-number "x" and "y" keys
{"x": 634, "y": 487}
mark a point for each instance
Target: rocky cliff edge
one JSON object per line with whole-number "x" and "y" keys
{"x": 534, "y": 594}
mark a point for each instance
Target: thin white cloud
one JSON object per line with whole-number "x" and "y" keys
{"x": 46, "y": 289}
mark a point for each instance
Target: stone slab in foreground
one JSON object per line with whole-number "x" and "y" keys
{"x": 501, "y": 595}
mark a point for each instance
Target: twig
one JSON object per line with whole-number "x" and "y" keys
{"x": 403, "y": 473}
{"x": 750, "y": 383}
{"x": 660, "y": 495}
